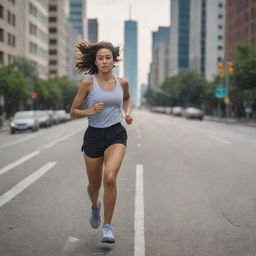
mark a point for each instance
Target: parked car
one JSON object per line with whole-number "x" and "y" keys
{"x": 194, "y": 113}
{"x": 24, "y": 120}
{"x": 43, "y": 118}
{"x": 177, "y": 111}
{"x": 60, "y": 116}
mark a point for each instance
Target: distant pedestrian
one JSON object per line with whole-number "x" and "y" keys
{"x": 104, "y": 142}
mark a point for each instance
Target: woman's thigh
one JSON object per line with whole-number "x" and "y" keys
{"x": 113, "y": 157}
{"x": 94, "y": 169}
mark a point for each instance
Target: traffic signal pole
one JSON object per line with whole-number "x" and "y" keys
{"x": 227, "y": 87}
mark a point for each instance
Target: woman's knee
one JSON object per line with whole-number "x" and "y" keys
{"x": 109, "y": 181}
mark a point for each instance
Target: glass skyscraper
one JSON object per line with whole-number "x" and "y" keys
{"x": 130, "y": 57}
{"x": 183, "y": 30}
{"x": 77, "y": 16}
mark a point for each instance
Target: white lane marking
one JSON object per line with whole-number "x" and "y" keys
{"x": 51, "y": 144}
{"x": 34, "y": 153}
{"x": 139, "y": 145}
{"x": 139, "y": 240}
{"x": 220, "y": 139}
{"x": 18, "y": 162}
{"x": 138, "y": 136}
{"x": 18, "y": 141}
{"x": 18, "y": 188}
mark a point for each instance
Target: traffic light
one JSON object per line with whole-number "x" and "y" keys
{"x": 221, "y": 69}
{"x": 230, "y": 68}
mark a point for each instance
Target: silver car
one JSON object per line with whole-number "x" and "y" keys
{"x": 24, "y": 120}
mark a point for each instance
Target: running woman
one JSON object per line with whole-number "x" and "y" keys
{"x": 104, "y": 142}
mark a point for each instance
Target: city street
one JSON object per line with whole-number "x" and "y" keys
{"x": 195, "y": 193}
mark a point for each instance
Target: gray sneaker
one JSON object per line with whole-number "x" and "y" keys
{"x": 107, "y": 234}
{"x": 95, "y": 219}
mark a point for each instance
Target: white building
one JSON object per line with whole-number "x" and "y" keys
{"x": 32, "y": 33}
{"x": 8, "y": 31}
{"x": 58, "y": 38}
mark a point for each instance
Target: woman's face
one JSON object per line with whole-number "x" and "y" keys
{"x": 104, "y": 60}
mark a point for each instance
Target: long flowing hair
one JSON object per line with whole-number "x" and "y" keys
{"x": 86, "y": 55}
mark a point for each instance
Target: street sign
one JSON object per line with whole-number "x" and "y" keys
{"x": 220, "y": 93}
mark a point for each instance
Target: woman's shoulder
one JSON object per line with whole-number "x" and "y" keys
{"x": 87, "y": 82}
{"x": 123, "y": 81}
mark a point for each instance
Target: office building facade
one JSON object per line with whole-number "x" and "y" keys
{"x": 130, "y": 57}
{"x": 58, "y": 38}
{"x": 240, "y": 25}
{"x": 93, "y": 30}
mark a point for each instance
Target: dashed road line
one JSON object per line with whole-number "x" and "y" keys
{"x": 139, "y": 240}
{"x": 220, "y": 139}
{"x": 18, "y": 188}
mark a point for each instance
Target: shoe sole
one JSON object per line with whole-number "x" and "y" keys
{"x": 108, "y": 241}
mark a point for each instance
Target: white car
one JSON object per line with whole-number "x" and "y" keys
{"x": 24, "y": 120}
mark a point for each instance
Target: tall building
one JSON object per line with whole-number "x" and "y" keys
{"x": 8, "y": 31}
{"x": 77, "y": 17}
{"x": 130, "y": 57}
{"x": 179, "y": 41}
{"x": 32, "y": 33}
{"x": 240, "y": 24}
{"x": 197, "y": 41}
{"x": 207, "y": 20}
{"x": 73, "y": 38}
{"x": 58, "y": 38}
{"x": 93, "y": 30}
{"x": 160, "y": 57}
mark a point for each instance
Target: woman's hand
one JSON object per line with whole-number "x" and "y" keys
{"x": 97, "y": 108}
{"x": 128, "y": 119}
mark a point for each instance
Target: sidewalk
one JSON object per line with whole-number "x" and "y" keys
{"x": 6, "y": 126}
{"x": 232, "y": 121}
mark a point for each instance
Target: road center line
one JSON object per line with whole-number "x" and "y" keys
{"x": 18, "y": 141}
{"x": 139, "y": 240}
{"x": 220, "y": 139}
{"x": 18, "y": 188}
{"x": 18, "y": 162}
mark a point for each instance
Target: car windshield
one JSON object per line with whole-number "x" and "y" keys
{"x": 23, "y": 115}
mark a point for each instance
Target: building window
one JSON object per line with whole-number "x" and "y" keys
{"x": 220, "y": 47}
{"x": 220, "y": 5}
{"x": 1, "y": 35}
{"x": 32, "y": 48}
{"x": 220, "y": 16}
{"x": 12, "y": 1}
{"x": 220, "y": 26}
{"x": 219, "y": 59}
{"x": 52, "y": 8}
{"x": 220, "y": 37}
{"x": 13, "y": 20}
{"x": 53, "y": 19}
{"x": 32, "y": 10}
{"x": 53, "y": 52}
{"x": 53, "y": 41}
{"x": 1, "y": 57}
{"x": 32, "y": 29}
{"x": 53, "y": 30}
{"x": 53, "y": 72}
{"x": 1, "y": 11}
{"x": 9, "y": 17}
{"x": 53, "y": 62}
{"x": 11, "y": 40}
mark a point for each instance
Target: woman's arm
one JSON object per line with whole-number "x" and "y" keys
{"x": 82, "y": 93}
{"x": 127, "y": 103}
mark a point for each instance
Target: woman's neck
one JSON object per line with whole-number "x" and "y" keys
{"x": 104, "y": 76}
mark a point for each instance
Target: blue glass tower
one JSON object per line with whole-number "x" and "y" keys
{"x": 130, "y": 57}
{"x": 162, "y": 34}
{"x": 183, "y": 32}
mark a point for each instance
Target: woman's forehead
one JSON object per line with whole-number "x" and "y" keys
{"x": 104, "y": 51}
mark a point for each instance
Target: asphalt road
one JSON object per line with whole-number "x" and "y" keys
{"x": 185, "y": 188}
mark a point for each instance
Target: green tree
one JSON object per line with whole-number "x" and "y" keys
{"x": 15, "y": 88}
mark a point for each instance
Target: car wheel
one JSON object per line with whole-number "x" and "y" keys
{"x": 12, "y": 131}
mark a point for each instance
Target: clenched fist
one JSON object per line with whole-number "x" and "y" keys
{"x": 98, "y": 107}
{"x": 128, "y": 119}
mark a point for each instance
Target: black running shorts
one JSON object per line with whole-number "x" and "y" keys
{"x": 97, "y": 140}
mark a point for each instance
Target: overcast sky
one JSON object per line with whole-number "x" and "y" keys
{"x": 149, "y": 14}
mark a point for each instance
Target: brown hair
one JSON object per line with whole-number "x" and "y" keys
{"x": 86, "y": 55}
